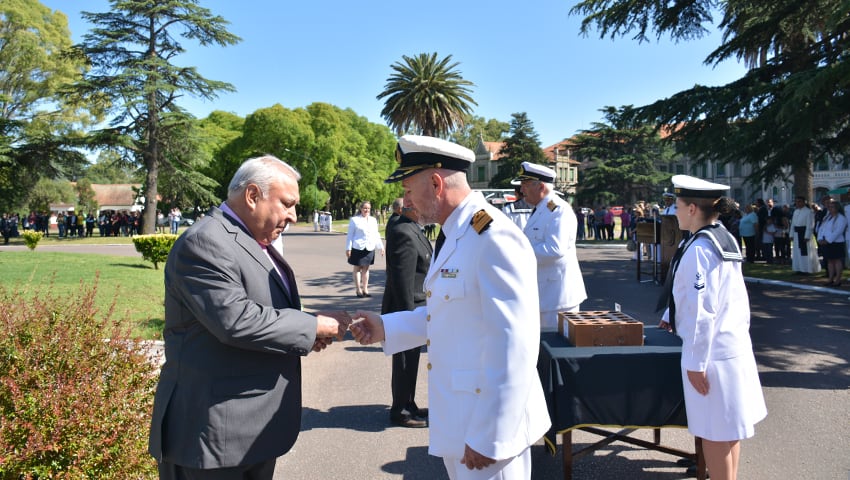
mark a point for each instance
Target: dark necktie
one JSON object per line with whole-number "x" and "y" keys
{"x": 289, "y": 277}
{"x": 666, "y": 299}
{"x": 441, "y": 238}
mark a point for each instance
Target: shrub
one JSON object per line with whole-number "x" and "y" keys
{"x": 154, "y": 248}
{"x": 75, "y": 391}
{"x": 31, "y": 238}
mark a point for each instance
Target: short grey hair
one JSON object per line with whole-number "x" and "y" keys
{"x": 398, "y": 204}
{"x": 261, "y": 171}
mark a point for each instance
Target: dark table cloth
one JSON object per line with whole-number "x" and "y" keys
{"x": 636, "y": 387}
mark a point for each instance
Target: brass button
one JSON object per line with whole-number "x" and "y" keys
{"x": 428, "y": 342}
{"x": 477, "y": 390}
{"x": 428, "y": 318}
{"x": 447, "y": 297}
{"x": 428, "y": 294}
{"x": 429, "y": 365}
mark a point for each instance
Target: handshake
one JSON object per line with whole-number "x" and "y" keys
{"x": 366, "y": 327}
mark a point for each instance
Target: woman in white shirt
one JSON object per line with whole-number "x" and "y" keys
{"x": 831, "y": 242}
{"x": 363, "y": 238}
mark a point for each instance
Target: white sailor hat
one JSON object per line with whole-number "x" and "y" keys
{"x": 692, "y": 187}
{"x": 415, "y": 153}
{"x": 533, "y": 171}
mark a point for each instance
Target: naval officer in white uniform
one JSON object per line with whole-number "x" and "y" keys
{"x": 709, "y": 308}
{"x": 552, "y": 230}
{"x": 486, "y": 404}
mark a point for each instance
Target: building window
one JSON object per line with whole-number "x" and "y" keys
{"x": 737, "y": 170}
{"x": 481, "y": 174}
{"x": 680, "y": 169}
{"x": 737, "y": 194}
{"x": 721, "y": 170}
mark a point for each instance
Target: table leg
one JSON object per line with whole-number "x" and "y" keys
{"x": 700, "y": 458}
{"x": 567, "y": 454}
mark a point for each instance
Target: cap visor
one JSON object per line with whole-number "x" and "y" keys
{"x": 400, "y": 175}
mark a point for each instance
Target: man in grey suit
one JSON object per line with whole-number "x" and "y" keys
{"x": 408, "y": 259}
{"x": 228, "y": 401}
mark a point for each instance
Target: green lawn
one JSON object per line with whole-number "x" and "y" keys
{"x": 131, "y": 283}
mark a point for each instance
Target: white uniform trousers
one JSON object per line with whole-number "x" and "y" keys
{"x": 516, "y": 468}
{"x": 549, "y": 319}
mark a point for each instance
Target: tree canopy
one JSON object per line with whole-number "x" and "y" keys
{"x": 475, "y": 128}
{"x": 36, "y": 122}
{"x": 132, "y": 50}
{"x": 342, "y": 157}
{"x": 426, "y": 96}
{"x": 622, "y": 157}
{"x": 522, "y": 145}
{"x": 792, "y": 107}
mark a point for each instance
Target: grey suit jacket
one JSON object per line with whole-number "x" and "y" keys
{"x": 230, "y": 391}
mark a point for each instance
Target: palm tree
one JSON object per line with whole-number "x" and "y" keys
{"x": 426, "y": 96}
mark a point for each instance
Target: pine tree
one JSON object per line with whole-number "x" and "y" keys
{"x": 791, "y": 109}
{"x": 621, "y": 156}
{"x": 522, "y": 145}
{"x": 131, "y": 50}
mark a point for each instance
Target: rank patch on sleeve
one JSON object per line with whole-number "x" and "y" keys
{"x": 699, "y": 282}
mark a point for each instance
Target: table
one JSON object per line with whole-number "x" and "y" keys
{"x": 629, "y": 387}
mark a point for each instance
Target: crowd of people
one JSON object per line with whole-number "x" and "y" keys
{"x": 70, "y": 224}
{"x": 810, "y": 238}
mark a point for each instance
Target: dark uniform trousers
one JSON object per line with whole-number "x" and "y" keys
{"x": 259, "y": 471}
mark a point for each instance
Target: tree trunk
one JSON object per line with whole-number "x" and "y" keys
{"x": 804, "y": 181}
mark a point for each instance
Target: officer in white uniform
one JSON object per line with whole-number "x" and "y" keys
{"x": 669, "y": 204}
{"x": 486, "y": 404}
{"x": 708, "y": 307}
{"x": 552, "y": 230}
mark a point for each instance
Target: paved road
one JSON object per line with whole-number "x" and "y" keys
{"x": 801, "y": 338}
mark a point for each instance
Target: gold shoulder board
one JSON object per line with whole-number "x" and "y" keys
{"x": 481, "y": 221}
{"x": 552, "y": 205}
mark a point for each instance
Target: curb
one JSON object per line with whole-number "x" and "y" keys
{"x": 779, "y": 283}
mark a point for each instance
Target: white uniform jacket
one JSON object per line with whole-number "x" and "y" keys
{"x": 552, "y": 230}
{"x": 713, "y": 320}
{"x": 481, "y": 325}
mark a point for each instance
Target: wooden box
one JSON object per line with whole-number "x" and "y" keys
{"x": 648, "y": 232}
{"x": 600, "y": 329}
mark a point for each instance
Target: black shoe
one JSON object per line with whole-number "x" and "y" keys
{"x": 422, "y": 413}
{"x": 360, "y": 295}
{"x": 367, "y": 294}
{"x": 407, "y": 420}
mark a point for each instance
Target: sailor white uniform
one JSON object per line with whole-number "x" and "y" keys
{"x": 518, "y": 212}
{"x": 490, "y": 396}
{"x": 670, "y": 209}
{"x": 713, "y": 320}
{"x": 804, "y": 255}
{"x": 710, "y": 311}
{"x": 552, "y": 232}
